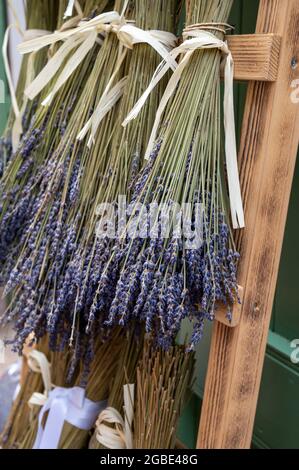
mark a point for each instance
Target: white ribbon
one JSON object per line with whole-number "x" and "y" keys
{"x": 65, "y": 405}
{"x": 201, "y": 40}
{"x": 119, "y": 437}
{"x": 86, "y": 33}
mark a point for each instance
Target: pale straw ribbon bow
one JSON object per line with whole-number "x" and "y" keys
{"x": 17, "y": 128}
{"x": 196, "y": 38}
{"x": 120, "y": 436}
{"x": 38, "y": 363}
{"x": 82, "y": 38}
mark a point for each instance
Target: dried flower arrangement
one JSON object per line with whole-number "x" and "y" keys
{"x": 59, "y": 255}
{"x": 152, "y": 396}
{"x": 24, "y": 176}
{"x": 161, "y": 280}
{"x": 80, "y": 289}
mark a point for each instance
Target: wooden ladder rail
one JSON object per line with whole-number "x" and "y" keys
{"x": 267, "y": 159}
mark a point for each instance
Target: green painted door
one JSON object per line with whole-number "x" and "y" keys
{"x": 277, "y": 418}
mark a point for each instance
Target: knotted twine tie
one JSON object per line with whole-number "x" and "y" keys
{"x": 119, "y": 437}
{"x": 196, "y": 38}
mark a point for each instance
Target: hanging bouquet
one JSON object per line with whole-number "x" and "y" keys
{"x": 152, "y": 403}
{"x": 67, "y": 272}
{"x": 66, "y": 410}
{"x": 31, "y": 167}
{"x": 55, "y": 275}
{"x": 161, "y": 276}
{"x": 125, "y": 373}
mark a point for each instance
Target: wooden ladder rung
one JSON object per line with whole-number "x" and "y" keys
{"x": 256, "y": 56}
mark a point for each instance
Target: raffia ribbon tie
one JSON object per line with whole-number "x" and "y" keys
{"x": 119, "y": 437}
{"x": 82, "y": 38}
{"x": 196, "y": 38}
{"x": 38, "y": 363}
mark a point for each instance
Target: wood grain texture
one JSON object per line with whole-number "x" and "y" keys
{"x": 256, "y": 56}
{"x": 267, "y": 159}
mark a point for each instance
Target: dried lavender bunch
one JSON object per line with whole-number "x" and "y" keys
{"x": 21, "y": 416}
{"x": 103, "y": 180}
{"x": 62, "y": 258}
{"x": 46, "y": 239}
{"x": 102, "y": 366}
{"x": 129, "y": 356}
{"x": 60, "y": 362}
{"x": 162, "y": 280}
{"x": 32, "y": 166}
{"x": 163, "y": 380}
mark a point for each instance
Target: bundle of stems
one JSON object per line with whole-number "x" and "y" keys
{"x": 101, "y": 376}
{"x": 162, "y": 278}
{"x": 163, "y": 379}
{"x": 61, "y": 256}
{"x": 39, "y": 15}
{"x": 104, "y": 180}
{"x": 21, "y": 416}
{"x": 30, "y": 166}
{"x": 59, "y": 361}
{"x": 129, "y": 357}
